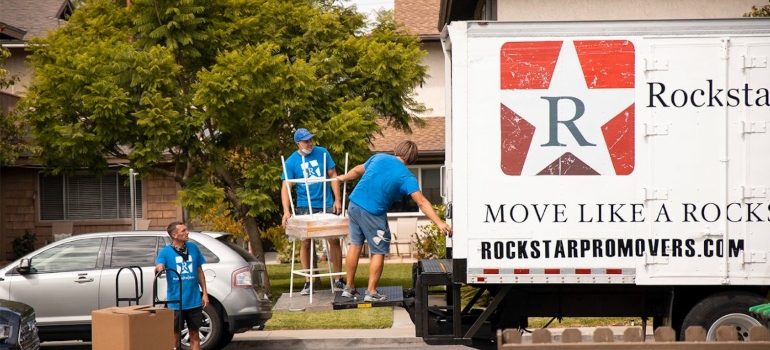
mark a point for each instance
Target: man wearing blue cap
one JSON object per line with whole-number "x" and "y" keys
{"x": 308, "y": 161}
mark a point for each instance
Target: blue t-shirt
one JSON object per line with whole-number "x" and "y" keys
{"x": 386, "y": 179}
{"x": 312, "y": 166}
{"x": 188, "y": 270}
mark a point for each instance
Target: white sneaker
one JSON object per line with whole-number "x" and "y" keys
{"x": 305, "y": 289}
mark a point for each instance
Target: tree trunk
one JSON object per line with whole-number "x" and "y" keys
{"x": 256, "y": 247}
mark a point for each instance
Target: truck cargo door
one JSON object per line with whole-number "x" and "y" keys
{"x": 706, "y": 192}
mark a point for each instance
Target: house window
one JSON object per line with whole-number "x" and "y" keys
{"x": 429, "y": 178}
{"x": 87, "y": 197}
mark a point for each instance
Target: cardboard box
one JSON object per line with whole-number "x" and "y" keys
{"x": 137, "y": 327}
{"x": 317, "y": 226}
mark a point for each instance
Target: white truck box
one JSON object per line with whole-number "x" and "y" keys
{"x": 624, "y": 152}
{"x": 618, "y": 153}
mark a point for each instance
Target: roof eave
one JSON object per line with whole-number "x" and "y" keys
{"x": 12, "y": 32}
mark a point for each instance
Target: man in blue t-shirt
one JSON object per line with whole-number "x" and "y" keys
{"x": 310, "y": 161}
{"x": 186, "y": 259}
{"x": 384, "y": 180}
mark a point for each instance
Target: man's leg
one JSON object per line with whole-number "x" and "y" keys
{"x": 351, "y": 264}
{"x": 195, "y": 339}
{"x": 375, "y": 271}
{"x": 304, "y": 256}
{"x": 335, "y": 250}
{"x": 194, "y": 323}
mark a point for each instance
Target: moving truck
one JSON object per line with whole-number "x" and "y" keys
{"x": 603, "y": 169}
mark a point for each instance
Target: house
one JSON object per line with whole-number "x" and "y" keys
{"x": 589, "y": 10}
{"x": 79, "y": 203}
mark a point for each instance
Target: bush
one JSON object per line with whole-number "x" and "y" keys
{"x": 431, "y": 244}
{"x": 24, "y": 245}
{"x": 277, "y": 236}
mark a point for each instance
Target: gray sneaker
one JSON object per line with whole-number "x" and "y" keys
{"x": 339, "y": 285}
{"x": 305, "y": 289}
{"x": 350, "y": 293}
{"x": 374, "y": 297}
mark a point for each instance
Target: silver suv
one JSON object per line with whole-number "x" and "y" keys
{"x": 66, "y": 280}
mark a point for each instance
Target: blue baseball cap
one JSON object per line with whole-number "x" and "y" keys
{"x": 302, "y": 135}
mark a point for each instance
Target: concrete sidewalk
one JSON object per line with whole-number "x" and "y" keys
{"x": 401, "y": 334}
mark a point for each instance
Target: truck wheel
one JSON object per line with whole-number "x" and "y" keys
{"x": 723, "y": 309}
{"x": 210, "y": 332}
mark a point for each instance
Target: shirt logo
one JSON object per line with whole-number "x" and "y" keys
{"x": 567, "y": 107}
{"x": 311, "y": 169}
{"x": 183, "y": 267}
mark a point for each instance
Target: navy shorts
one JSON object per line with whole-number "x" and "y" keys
{"x": 372, "y": 228}
{"x": 193, "y": 317}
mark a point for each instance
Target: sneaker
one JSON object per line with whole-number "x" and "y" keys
{"x": 374, "y": 297}
{"x": 350, "y": 293}
{"x": 305, "y": 289}
{"x": 339, "y": 285}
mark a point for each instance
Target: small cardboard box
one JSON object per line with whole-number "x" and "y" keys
{"x": 317, "y": 226}
{"x": 137, "y": 327}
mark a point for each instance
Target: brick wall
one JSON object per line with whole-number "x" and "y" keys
{"x": 160, "y": 197}
{"x": 17, "y": 206}
{"x": 18, "y": 209}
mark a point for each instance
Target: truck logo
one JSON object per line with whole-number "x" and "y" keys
{"x": 567, "y": 107}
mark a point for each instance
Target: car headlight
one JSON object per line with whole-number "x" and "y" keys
{"x": 5, "y": 331}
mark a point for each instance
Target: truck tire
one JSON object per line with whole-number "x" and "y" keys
{"x": 723, "y": 309}
{"x": 210, "y": 332}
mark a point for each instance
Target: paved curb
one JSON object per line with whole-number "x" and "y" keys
{"x": 337, "y": 343}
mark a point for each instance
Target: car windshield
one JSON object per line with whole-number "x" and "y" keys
{"x": 238, "y": 249}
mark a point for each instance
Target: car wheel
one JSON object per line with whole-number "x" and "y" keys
{"x": 210, "y": 332}
{"x": 724, "y": 309}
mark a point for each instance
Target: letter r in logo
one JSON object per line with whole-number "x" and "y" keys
{"x": 553, "y": 121}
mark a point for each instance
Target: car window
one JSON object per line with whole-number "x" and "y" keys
{"x": 76, "y": 255}
{"x": 209, "y": 255}
{"x": 238, "y": 249}
{"x": 133, "y": 251}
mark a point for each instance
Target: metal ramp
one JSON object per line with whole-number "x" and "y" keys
{"x": 395, "y": 296}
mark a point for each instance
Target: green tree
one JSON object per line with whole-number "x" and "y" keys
{"x": 209, "y": 92}
{"x": 12, "y": 128}
{"x": 763, "y": 11}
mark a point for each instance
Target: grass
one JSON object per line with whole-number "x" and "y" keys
{"x": 539, "y": 322}
{"x": 393, "y": 274}
{"x": 368, "y": 318}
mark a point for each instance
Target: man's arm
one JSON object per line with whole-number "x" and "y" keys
{"x": 337, "y": 208}
{"x": 202, "y": 282}
{"x": 427, "y": 209}
{"x": 285, "y": 193}
{"x": 353, "y": 174}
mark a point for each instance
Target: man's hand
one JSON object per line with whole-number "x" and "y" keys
{"x": 159, "y": 268}
{"x": 286, "y": 217}
{"x": 205, "y": 300}
{"x": 337, "y": 209}
{"x": 445, "y": 229}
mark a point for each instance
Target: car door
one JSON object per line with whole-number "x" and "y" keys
{"x": 127, "y": 251}
{"x": 63, "y": 285}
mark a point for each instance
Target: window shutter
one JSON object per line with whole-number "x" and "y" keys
{"x": 51, "y": 197}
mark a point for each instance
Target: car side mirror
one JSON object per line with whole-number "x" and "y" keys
{"x": 25, "y": 266}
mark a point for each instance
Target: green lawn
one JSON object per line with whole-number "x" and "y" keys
{"x": 393, "y": 274}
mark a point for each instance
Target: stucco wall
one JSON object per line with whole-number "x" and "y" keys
{"x": 433, "y": 92}
{"x": 15, "y": 65}
{"x": 577, "y": 10}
